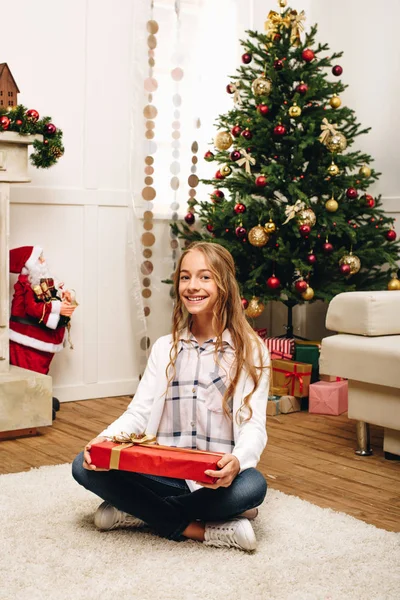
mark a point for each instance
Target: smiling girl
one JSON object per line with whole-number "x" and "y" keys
{"x": 205, "y": 387}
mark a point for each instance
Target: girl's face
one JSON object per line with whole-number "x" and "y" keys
{"x": 197, "y": 287}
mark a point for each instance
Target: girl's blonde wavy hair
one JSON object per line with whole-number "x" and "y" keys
{"x": 228, "y": 313}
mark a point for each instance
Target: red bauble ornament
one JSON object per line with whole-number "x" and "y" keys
{"x": 209, "y": 156}
{"x": 229, "y": 89}
{"x": 351, "y": 193}
{"x": 261, "y": 181}
{"x": 280, "y": 130}
{"x": 391, "y": 235}
{"x": 302, "y": 88}
{"x": 311, "y": 259}
{"x": 278, "y": 64}
{"x": 263, "y": 109}
{"x": 273, "y": 283}
{"x": 240, "y": 232}
{"x": 327, "y": 247}
{"x": 246, "y": 133}
{"x": 337, "y": 70}
{"x": 189, "y": 218}
{"x": 246, "y": 58}
{"x": 46, "y": 142}
{"x": 4, "y": 122}
{"x": 239, "y": 208}
{"x": 301, "y": 285}
{"x": 245, "y": 303}
{"x": 369, "y": 201}
{"x": 304, "y": 230}
{"x": 32, "y": 115}
{"x": 209, "y": 227}
{"x": 277, "y": 37}
{"x": 218, "y": 175}
{"x": 307, "y": 55}
{"x": 236, "y": 131}
{"x": 50, "y": 129}
{"x": 345, "y": 269}
{"x": 18, "y": 122}
{"x": 235, "y": 155}
{"x": 217, "y": 196}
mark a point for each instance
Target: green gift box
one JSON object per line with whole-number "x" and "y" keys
{"x": 308, "y": 353}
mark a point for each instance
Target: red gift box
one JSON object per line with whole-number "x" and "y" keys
{"x": 328, "y": 397}
{"x": 153, "y": 459}
{"x": 280, "y": 347}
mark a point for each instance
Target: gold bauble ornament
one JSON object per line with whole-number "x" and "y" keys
{"x": 270, "y": 227}
{"x": 255, "y": 308}
{"x": 225, "y": 170}
{"x": 336, "y": 143}
{"x": 394, "y": 283}
{"x": 331, "y": 205}
{"x": 333, "y": 170}
{"x": 335, "y": 102}
{"x": 306, "y": 217}
{"x": 258, "y": 236}
{"x": 353, "y": 261}
{"x": 223, "y": 140}
{"x": 261, "y": 86}
{"x": 365, "y": 171}
{"x": 282, "y": 3}
{"x": 295, "y": 111}
{"x": 308, "y": 294}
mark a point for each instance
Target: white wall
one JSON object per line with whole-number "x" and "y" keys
{"x": 73, "y": 61}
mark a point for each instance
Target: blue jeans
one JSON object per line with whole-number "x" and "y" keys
{"x": 166, "y": 504}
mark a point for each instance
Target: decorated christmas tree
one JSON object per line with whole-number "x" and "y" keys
{"x": 289, "y": 198}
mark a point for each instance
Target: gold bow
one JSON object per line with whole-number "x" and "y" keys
{"x": 290, "y": 211}
{"x": 134, "y": 438}
{"x": 246, "y": 160}
{"x": 297, "y": 26}
{"x": 236, "y": 93}
{"x": 274, "y": 22}
{"x": 328, "y": 129}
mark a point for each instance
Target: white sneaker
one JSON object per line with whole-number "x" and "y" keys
{"x": 237, "y": 533}
{"x": 108, "y": 517}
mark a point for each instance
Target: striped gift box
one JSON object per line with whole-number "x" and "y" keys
{"x": 280, "y": 347}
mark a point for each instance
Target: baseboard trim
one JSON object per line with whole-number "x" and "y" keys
{"x": 104, "y": 389}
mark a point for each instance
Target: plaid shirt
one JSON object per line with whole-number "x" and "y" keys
{"x": 193, "y": 416}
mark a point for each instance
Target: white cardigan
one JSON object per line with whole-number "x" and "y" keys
{"x": 144, "y": 412}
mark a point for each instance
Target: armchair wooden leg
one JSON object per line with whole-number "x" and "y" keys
{"x": 363, "y": 440}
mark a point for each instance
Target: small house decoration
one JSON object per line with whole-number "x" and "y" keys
{"x": 8, "y": 88}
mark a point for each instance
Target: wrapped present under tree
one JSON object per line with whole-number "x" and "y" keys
{"x": 296, "y": 375}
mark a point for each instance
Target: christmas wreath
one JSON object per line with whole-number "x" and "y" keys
{"x": 46, "y": 152}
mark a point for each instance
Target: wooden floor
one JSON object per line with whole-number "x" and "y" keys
{"x": 310, "y": 456}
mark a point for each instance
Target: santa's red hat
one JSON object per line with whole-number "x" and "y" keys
{"x": 25, "y": 256}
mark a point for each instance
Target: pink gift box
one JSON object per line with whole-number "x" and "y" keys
{"x": 328, "y": 397}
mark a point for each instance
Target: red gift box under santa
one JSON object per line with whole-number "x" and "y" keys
{"x": 180, "y": 463}
{"x": 328, "y": 397}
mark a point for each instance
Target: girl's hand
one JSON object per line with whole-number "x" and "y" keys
{"x": 87, "y": 461}
{"x": 229, "y": 468}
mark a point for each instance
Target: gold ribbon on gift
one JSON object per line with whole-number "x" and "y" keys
{"x": 296, "y": 24}
{"x": 328, "y": 129}
{"x": 246, "y": 160}
{"x": 290, "y": 211}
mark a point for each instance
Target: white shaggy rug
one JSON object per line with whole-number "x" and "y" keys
{"x": 49, "y": 550}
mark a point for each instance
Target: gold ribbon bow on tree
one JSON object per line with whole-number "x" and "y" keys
{"x": 328, "y": 130}
{"x": 290, "y": 211}
{"x": 246, "y": 160}
{"x": 236, "y": 93}
{"x": 297, "y": 26}
{"x": 274, "y": 22}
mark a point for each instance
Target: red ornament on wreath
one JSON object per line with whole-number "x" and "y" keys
{"x": 32, "y": 115}
{"x": 327, "y": 247}
{"x": 189, "y": 218}
{"x": 50, "y": 129}
{"x": 239, "y": 208}
{"x": 351, "y": 193}
{"x": 245, "y": 303}
{"x": 304, "y": 230}
{"x": 236, "y": 131}
{"x": 345, "y": 269}
{"x": 261, "y": 181}
{"x": 307, "y": 55}
{"x": 4, "y": 122}
{"x": 302, "y": 88}
{"x": 391, "y": 235}
{"x": 240, "y": 232}
{"x": 311, "y": 259}
{"x": 262, "y": 109}
{"x": 246, "y": 58}
{"x": 301, "y": 285}
{"x": 369, "y": 201}
{"x": 209, "y": 156}
{"x": 209, "y": 227}
{"x": 217, "y": 196}
{"x": 337, "y": 70}
{"x": 273, "y": 283}
{"x": 279, "y": 130}
{"x": 246, "y": 133}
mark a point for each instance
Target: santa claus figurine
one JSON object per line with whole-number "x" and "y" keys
{"x": 40, "y": 312}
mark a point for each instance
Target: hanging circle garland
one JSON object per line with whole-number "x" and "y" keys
{"x": 46, "y": 151}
